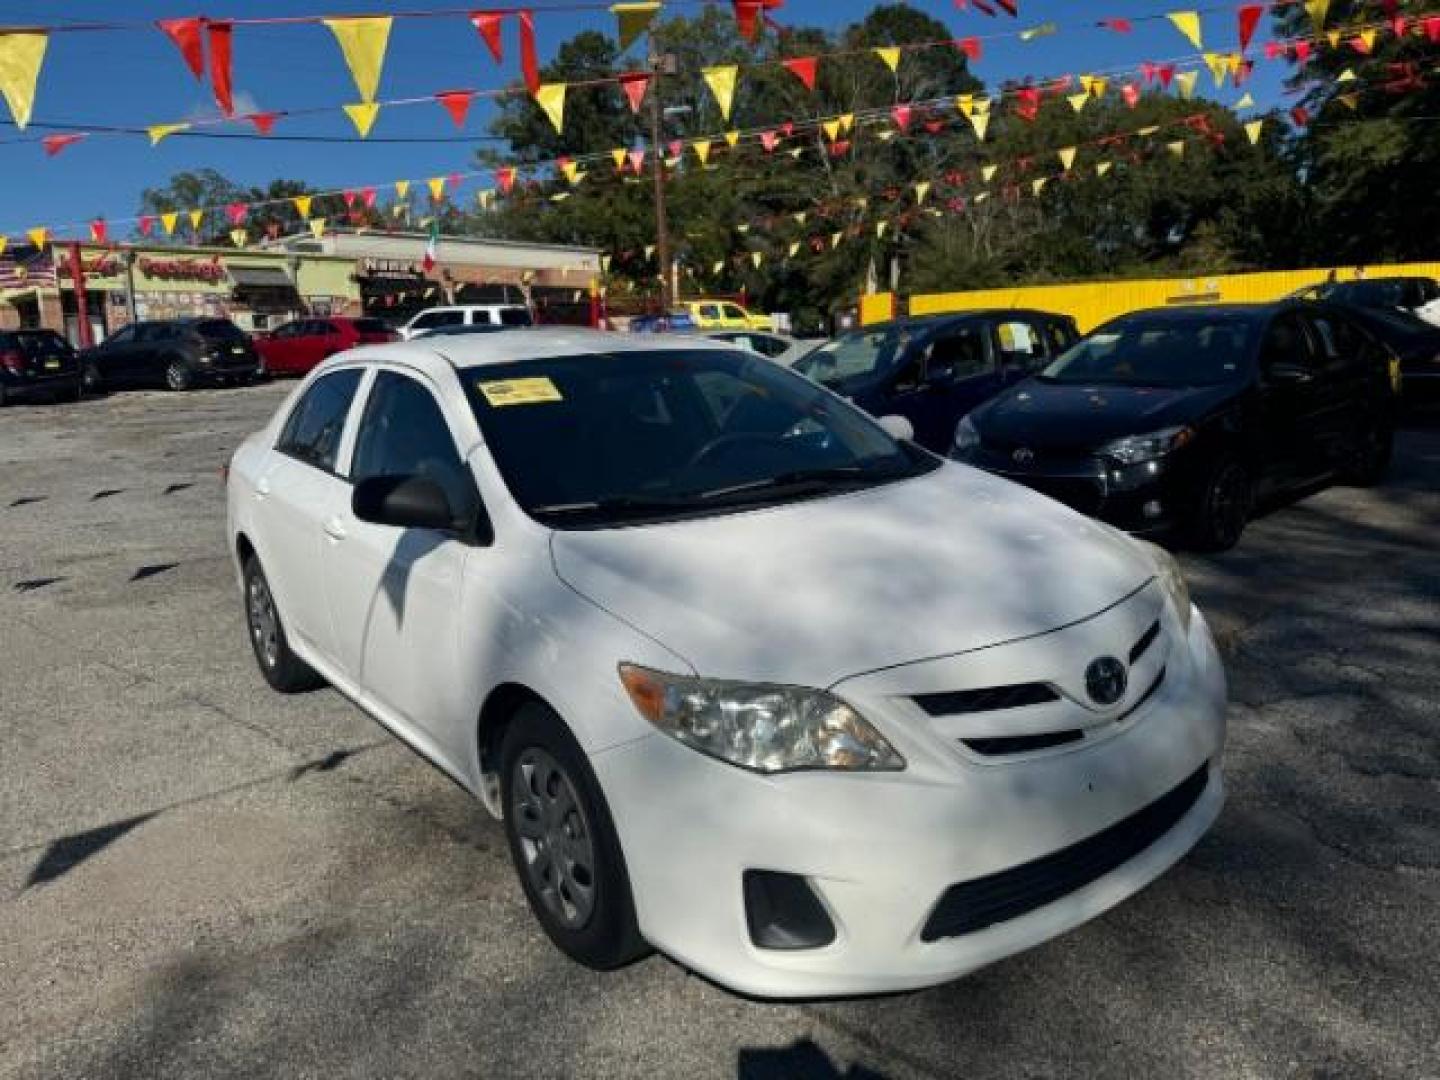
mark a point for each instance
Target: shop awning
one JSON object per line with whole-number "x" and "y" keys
{"x": 259, "y": 276}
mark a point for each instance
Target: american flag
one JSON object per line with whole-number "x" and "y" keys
{"x": 31, "y": 272}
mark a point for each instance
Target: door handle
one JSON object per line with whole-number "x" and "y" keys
{"x": 335, "y": 529}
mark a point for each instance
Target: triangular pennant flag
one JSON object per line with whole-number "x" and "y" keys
{"x": 560, "y": 196}
{"x": 363, "y": 41}
{"x": 1218, "y": 68}
{"x": 302, "y": 205}
{"x": 835, "y": 238}
{"x": 551, "y": 99}
{"x": 317, "y": 227}
{"x": 1146, "y": 132}
{"x": 637, "y": 160}
{"x": 965, "y": 103}
{"x": 731, "y": 138}
{"x": 831, "y": 129}
{"x": 168, "y": 222}
{"x": 185, "y": 33}
{"x": 799, "y": 217}
{"x": 880, "y": 227}
{"x": 238, "y": 237}
{"x": 489, "y": 23}
{"x": 891, "y": 55}
{"x": 987, "y": 172}
{"x": 436, "y": 184}
{"x": 803, "y": 68}
{"x": 634, "y": 20}
{"x": 1101, "y": 168}
{"x": 1252, "y": 131}
{"x": 634, "y": 83}
{"x": 721, "y": 81}
{"x": 702, "y": 149}
{"x": 1363, "y": 42}
{"x": 1249, "y": 17}
{"x": 264, "y": 122}
{"x": 1186, "y": 81}
{"x": 981, "y": 197}
{"x": 486, "y": 199}
{"x": 402, "y": 189}
{"x": 886, "y": 135}
{"x": 793, "y": 249}
{"x": 21, "y": 55}
{"x": 618, "y": 156}
{"x": 1245, "y": 102}
{"x": 1130, "y": 94}
{"x": 901, "y": 115}
{"x": 1120, "y": 26}
{"x": 747, "y": 14}
{"x": 970, "y": 46}
{"x": 362, "y": 114}
{"x": 649, "y": 250}
{"x": 717, "y": 266}
{"x": 1027, "y": 105}
{"x": 768, "y": 140}
{"x": 161, "y": 131}
{"x": 236, "y": 212}
{"x": 38, "y": 235}
{"x": 796, "y": 152}
{"x": 979, "y": 121}
{"x": 1317, "y": 9}
{"x": 146, "y": 223}
{"x": 1038, "y": 185}
{"x": 847, "y": 121}
{"x": 456, "y": 103}
{"x": 220, "y": 35}
{"x": 1078, "y": 101}
{"x": 1302, "y": 51}
{"x": 1177, "y": 148}
{"x": 1348, "y": 75}
{"x": 757, "y": 258}
{"x": 1188, "y": 23}
{"x": 53, "y": 144}
{"x": 1350, "y": 101}
{"x": 1067, "y": 157}
{"x": 529, "y": 62}
{"x": 921, "y": 190}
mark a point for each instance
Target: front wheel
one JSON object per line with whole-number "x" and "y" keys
{"x": 283, "y": 670}
{"x": 564, "y": 844}
{"x": 1226, "y": 501}
{"x": 177, "y": 376}
{"x": 90, "y": 379}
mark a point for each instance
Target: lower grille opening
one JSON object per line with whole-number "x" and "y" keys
{"x": 1019, "y": 744}
{"x": 974, "y": 905}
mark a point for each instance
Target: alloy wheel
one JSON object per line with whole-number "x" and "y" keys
{"x": 264, "y": 622}
{"x": 1229, "y": 500}
{"x": 556, "y": 840}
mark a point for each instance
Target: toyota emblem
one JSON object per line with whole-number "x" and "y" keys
{"x": 1023, "y": 456}
{"x": 1105, "y": 680}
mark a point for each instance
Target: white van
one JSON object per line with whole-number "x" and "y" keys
{"x": 467, "y": 315}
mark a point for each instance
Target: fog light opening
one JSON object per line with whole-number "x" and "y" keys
{"x": 783, "y": 912}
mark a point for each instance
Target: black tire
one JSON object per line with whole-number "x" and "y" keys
{"x": 4, "y": 396}
{"x": 178, "y": 376}
{"x": 282, "y": 669}
{"x": 599, "y": 929}
{"x": 1223, "y": 507}
{"x": 1372, "y": 455}
{"x": 90, "y": 382}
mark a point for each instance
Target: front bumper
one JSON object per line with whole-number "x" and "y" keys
{"x": 881, "y": 850}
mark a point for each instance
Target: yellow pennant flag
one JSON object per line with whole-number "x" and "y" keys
{"x": 880, "y": 227}
{"x": 891, "y": 55}
{"x": 1348, "y": 75}
{"x": 38, "y": 236}
{"x": 362, "y": 114}
{"x": 1078, "y": 101}
{"x": 560, "y": 196}
{"x": 1067, "y": 157}
{"x": 1044, "y": 29}
{"x": 980, "y": 121}
{"x": 799, "y": 218}
{"x": 987, "y": 172}
{"x": 1317, "y": 10}
{"x": 1177, "y": 148}
{"x": 702, "y": 149}
{"x": 757, "y": 258}
{"x": 1146, "y": 132}
{"x": 402, "y": 189}
{"x": 363, "y": 41}
{"x": 302, "y": 205}
{"x": 618, "y": 156}
{"x": 400, "y": 210}
{"x": 1188, "y": 23}
{"x": 965, "y": 103}
{"x": 21, "y": 55}
{"x": 862, "y": 201}
{"x": 832, "y": 129}
{"x": 717, "y": 266}
{"x": 796, "y": 152}
{"x": 317, "y": 227}
{"x": 238, "y": 237}
{"x": 1252, "y": 131}
{"x": 1245, "y": 102}
{"x": 835, "y": 238}
{"x": 168, "y": 222}
{"x": 551, "y": 98}
{"x": 731, "y": 138}
{"x": 1094, "y": 85}
{"x": 1038, "y": 185}
{"x": 721, "y": 81}
{"x": 1185, "y": 80}
{"x": 486, "y": 199}
{"x": 847, "y": 121}
{"x": 981, "y": 197}
{"x": 1233, "y": 62}
{"x": 921, "y": 190}
{"x": 160, "y": 131}
{"x": 1218, "y": 66}
{"x": 634, "y": 20}
{"x": 1101, "y": 168}
{"x": 436, "y": 184}
{"x": 196, "y": 216}
{"x": 1368, "y": 37}
{"x": 794, "y": 247}
{"x": 1333, "y": 37}
{"x": 4, "y": 242}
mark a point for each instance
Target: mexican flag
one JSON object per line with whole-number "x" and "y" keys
{"x": 432, "y": 246}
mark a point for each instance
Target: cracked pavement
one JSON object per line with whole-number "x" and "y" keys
{"x": 201, "y": 878}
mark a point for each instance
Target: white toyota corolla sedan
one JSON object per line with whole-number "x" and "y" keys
{"x": 748, "y": 680}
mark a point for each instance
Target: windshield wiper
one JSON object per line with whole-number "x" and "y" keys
{"x": 619, "y": 504}
{"x": 806, "y": 477}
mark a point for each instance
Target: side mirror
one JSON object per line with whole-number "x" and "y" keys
{"x": 406, "y": 502}
{"x": 897, "y": 427}
{"x": 1287, "y": 373}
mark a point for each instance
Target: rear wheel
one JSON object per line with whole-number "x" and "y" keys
{"x": 177, "y": 375}
{"x": 90, "y": 379}
{"x": 564, "y": 844}
{"x": 1226, "y": 501}
{"x": 283, "y": 670}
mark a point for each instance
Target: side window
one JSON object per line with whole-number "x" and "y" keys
{"x": 961, "y": 353}
{"x": 768, "y": 346}
{"x": 482, "y": 318}
{"x": 1285, "y": 343}
{"x": 124, "y": 336}
{"x": 732, "y": 311}
{"x": 403, "y": 433}
{"x": 1429, "y": 290}
{"x": 1019, "y": 345}
{"x": 152, "y": 333}
{"x": 1325, "y": 336}
{"x": 431, "y": 319}
{"x": 1060, "y": 336}
{"x": 312, "y": 434}
{"x": 710, "y": 311}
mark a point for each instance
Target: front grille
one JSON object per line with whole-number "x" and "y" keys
{"x": 1077, "y": 492}
{"x": 974, "y": 905}
{"x": 989, "y": 699}
{"x": 1146, "y": 640}
{"x": 1021, "y": 744}
{"x": 1146, "y": 696}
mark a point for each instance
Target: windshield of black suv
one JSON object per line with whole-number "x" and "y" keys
{"x": 586, "y": 441}
{"x": 219, "y": 330}
{"x": 856, "y": 358}
{"x": 1200, "y": 349}
{"x": 1376, "y": 293}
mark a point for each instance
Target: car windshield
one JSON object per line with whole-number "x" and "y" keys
{"x": 1379, "y": 293}
{"x": 1171, "y": 350}
{"x": 41, "y": 342}
{"x": 589, "y": 441}
{"x": 219, "y": 330}
{"x": 855, "y": 358}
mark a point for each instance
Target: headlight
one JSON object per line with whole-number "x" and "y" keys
{"x": 759, "y": 726}
{"x": 1137, "y": 449}
{"x": 1172, "y": 580}
{"x": 967, "y": 437}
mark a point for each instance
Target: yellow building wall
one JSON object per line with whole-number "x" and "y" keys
{"x": 1093, "y": 302}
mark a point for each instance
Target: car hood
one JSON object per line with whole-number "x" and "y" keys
{"x": 814, "y": 592}
{"x": 1074, "y": 416}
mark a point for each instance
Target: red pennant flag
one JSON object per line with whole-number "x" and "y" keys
{"x": 1431, "y": 24}
{"x": 147, "y": 224}
{"x": 839, "y": 147}
{"x": 53, "y": 144}
{"x": 768, "y": 139}
{"x": 934, "y": 127}
{"x": 456, "y": 103}
{"x": 264, "y": 121}
{"x": 637, "y": 161}
{"x": 1010, "y": 7}
{"x": 1274, "y": 50}
{"x": 635, "y": 83}
{"x": 1398, "y": 25}
{"x": 1058, "y": 87}
{"x": 746, "y": 12}
{"x": 529, "y": 66}
{"x": 901, "y": 115}
{"x": 1166, "y": 73}
{"x": 1249, "y": 17}
{"x": 185, "y": 33}
{"x": 1361, "y": 46}
{"x": 349, "y": 197}
{"x": 1028, "y": 104}
{"x": 1148, "y": 71}
{"x": 970, "y": 46}
{"x": 98, "y": 231}
{"x": 505, "y": 178}
{"x": 220, "y": 34}
{"x": 1120, "y": 26}
{"x": 489, "y": 24}
{"x": 236, "y": 212}
{"x": 787, "y": 129}
{"x": 1300, "y": 115}
{"x": 1302, "y": 51}
{"x": 984, "y": 8}
{"x": 675, "y": 148}
{"x": 1130, "y": 94}
{"x": 803, "y": 68}
{"x": 368, "y": 197}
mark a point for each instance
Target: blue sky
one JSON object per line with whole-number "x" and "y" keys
{"x": 137, "y": 77}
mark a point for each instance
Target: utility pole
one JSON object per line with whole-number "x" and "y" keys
{"x": 659, "y": 65}
{"x": 82, "y": 309}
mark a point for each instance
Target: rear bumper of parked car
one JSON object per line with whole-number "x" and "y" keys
{"x": 40, "y": 384}
{"x": 226, "y": 369}
{"x": 921, "y": 881}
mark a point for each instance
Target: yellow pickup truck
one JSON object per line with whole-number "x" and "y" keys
{"x": 724, "y": 315}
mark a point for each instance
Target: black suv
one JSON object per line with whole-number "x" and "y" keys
{"x": 1180, "y": 419}
{"x": 37, "y": 362}
{"x": 933, "y": 370}
{"x": 178, "y": 354}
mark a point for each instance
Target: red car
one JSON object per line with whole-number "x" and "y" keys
{"x": 295, "y": 347}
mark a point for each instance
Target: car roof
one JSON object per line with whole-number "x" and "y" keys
{"x": 939, "y": 318}
{"x": 1253, "y": 310}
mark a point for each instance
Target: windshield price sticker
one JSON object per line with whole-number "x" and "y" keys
{"x": 534, "y": 391}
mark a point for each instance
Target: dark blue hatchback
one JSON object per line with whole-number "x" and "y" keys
{"x": 934, "y": 370}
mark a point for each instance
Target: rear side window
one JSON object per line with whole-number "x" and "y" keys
{"x": 403, "y": 433}
{"x": 514, "y": 316}
{"x": 312, "y": 434}
{"x": 733, "y": 312}
{"x": 368, "y": 326}
{"x": 39, "y": 343}
{"x": 1019, "y": 344}
{"x": 1286, "y": 343}
{"x": 431, "y": 319}
{"x": 961, "y": 352}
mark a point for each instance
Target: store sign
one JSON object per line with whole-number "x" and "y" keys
{"x": 93, "y": 266}
{"x": 208, "y": 270}
{"x": 391, "y": 267}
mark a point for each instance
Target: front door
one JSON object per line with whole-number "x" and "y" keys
{"x": 1296, "y": 412}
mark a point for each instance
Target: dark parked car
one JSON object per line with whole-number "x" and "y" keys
{"x": 934, "y": 370}
{"x": 35, "y": 363}
{"x": 178, "y": 354}
{"x": 1407, "y": 293}
{"x": 1180, "y": 419}
{"x": 294, "y": 348}
{"x": 1415, "y": 342}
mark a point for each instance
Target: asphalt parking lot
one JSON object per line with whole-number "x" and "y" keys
{"x": 199, "y": 877}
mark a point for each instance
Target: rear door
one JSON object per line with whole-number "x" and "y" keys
{"x": 1297, "y": 417}
{"x": 115, "y": 356}
{"x": 154, "y": 345}
{"x": 279, "y": 349}
{"x": 1343, "y": 385}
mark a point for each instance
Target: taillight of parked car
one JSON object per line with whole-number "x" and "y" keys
{"x": 13, "y": 361}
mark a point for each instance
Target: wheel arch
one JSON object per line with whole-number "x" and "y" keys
{"x": 500, "y": 708}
